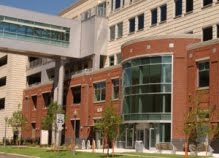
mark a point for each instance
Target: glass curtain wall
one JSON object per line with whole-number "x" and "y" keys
{"x": 147, "y": 88}
{"x": 34, "y": 31}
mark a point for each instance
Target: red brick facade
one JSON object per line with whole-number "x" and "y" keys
{"x": 206, "y": 96}
{"x": 178, "y": 48}
{"x": 87, "y": 110}
{"x": 184, "y": 85}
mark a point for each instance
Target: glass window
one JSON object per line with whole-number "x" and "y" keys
{"x": 112, "y": 5}
{"x": 154, "y": 16}
{"x": 115, "y": 94}
{"x": 118, "y": 4}
{"x": 111, "y": 60}
{"x": 165, "y": 132}
{"x": 99, "y": 91}
{"x": 155, "y": 74}
{"x": 76, "y": 93}
{"x": 166, "y": 73}
{"x": 2, "y": 81}
{"x": 207, "y": 33}
{"x": 135, "y": 75}
{"x": 3, "y": 60}
{"x": 146, "y": 74}
{"x": 207, "y": 2}
{"x": 77, "y": 126}
{"x": 218, "y": 31}
{"x": 178, "y": 8}
{"x": 189, "y": 6}
{"x": 163, "y": 13}
{"x": 112, "y": 32}
{"x": 118, "y": 58}
{"x": 47, "y": 97}
{"x": 34, "y": 102}
{"x": 141, "y": 22}
{"x": 2, "y": 103}
{"x": 131, "y": 25}
{"x": 120, "y": 30}
{"x": 101, "y": 9}
{"x": 203, "y": 72}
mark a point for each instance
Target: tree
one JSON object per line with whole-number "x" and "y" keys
{"x": 17, "y": 121}
{"x": 199, "y": 126}
{"x": 48, "y": 121}
{"x": 109, "y": 125}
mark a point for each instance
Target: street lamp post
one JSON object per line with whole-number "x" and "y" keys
{"x": 74, "y": 137}
{"x": 6, "y": 122}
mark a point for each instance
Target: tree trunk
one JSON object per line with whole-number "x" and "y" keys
{"x": 113, "y": 148}
{"x": 186, "y": 149}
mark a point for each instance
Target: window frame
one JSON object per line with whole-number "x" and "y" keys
{"x": 205, "y": 69}
{"x": 141, "y": 25}
{"x": 119, "y": 30}
{"x": 207, "y": 33}
{"x": 207, "y": 3}
{"x": 117, "y": 5}
{"x": 164, "y": 12}
{"x": 217, "y": 28}
{"x": 189, "y": 9}
{"x": 112, "y": 32}
{"x": 111, "y": 62}
{"x": 76, "y": 89}
{"x": 178, "y": 13}
{"x": 154, "y": 19}
{"x": 132, "y": 25}
{"x": 50, "y": 99}
{"x": 2, "y": 105}
{"x": 99, "y": 87}
{"x": 115, "y": 84}
{"x": 34, "y": 102}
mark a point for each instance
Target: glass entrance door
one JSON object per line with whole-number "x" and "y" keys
{"x": 129, "y": 138}
{"x": 140, "y": 135}
{"x": 152, "y": 138}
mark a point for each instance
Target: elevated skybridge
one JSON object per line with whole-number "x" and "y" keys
{"x": 40, "y": 35}
{"x": 36, "y": 34}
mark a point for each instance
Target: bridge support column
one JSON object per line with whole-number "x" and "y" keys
{"x": 58, "y": 93}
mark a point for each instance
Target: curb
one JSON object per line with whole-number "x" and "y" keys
{"x": 25, "y": 156}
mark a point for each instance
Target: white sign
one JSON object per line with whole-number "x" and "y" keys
{"x": 44, "y": 137}
{"x": 99, "y": 109}
{"x": 60, "y": 119}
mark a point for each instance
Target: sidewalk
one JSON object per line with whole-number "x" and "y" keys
{"x": 121, "y": 151}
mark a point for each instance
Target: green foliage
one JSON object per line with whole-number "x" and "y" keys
{"x": 17, "y": 121}
{"x": 109, "y": 124}
{"x": 49, "y": 119}
{"x": 198, "y": 124}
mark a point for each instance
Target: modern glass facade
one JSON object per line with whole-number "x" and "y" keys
{"x": 147, "y": 88}
{"x": 34, "y": 31}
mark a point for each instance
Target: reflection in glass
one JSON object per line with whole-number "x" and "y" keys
{"x": 147, "y": 86}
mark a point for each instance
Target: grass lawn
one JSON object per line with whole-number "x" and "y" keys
{"x": 45, "y": 153}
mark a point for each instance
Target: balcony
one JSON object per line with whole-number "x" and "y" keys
{"x": 37, "y": 63}
{"x": 147, "y": 117}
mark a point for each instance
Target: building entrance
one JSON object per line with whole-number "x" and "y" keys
{"x": 147, "y": 136}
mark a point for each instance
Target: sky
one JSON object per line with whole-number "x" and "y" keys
{"x": 44, "y": 6}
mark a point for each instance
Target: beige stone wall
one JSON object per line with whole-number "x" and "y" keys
{"x": 195, "y": 21}
{"x": 15, "y": 70}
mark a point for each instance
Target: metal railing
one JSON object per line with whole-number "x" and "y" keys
{"x": 147, "y": 116}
